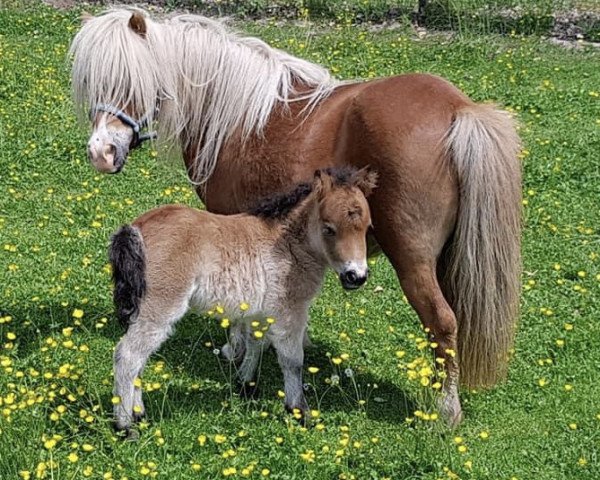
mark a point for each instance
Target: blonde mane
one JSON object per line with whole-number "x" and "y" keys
{"x": 208, "y": 81}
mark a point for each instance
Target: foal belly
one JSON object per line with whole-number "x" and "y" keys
{"x": 239, "y": 289}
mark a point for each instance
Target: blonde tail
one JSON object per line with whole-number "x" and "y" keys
{"x": 482, "y": 279}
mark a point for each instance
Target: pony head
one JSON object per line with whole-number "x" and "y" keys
{"x": 209, "y": 82}
{"x": 343, "y": 218}
{"x": 116, "y": 87}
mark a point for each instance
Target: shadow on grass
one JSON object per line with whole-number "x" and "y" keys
{"x": 191, "y": 362}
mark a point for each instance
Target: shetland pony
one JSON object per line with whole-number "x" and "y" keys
{"x": 251, "y": 120}
{"x": 271, "y": 262}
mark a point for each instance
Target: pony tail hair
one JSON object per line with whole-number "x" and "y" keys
{"x": 128, "y": 263}
{"x": 483, "y": 277}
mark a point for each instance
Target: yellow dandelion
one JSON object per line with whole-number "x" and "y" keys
{"x": 50, "y": 444}
{"x": 258, "y": 334}
{"x": 225, "y": 323}
{"x": 244, "y": 306}
{"x": 313, "y": 369}
{"x": 73, "y": 457}
{"x": 308, "y": 456}
{"x": 77, "y": 313}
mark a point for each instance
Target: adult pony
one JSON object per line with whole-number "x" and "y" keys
{"x": 252, "y": 120}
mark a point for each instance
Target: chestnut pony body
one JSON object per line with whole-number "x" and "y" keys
{"x": 251, "y": 120}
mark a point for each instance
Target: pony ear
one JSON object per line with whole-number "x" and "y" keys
{"x": 322, "y": 183}
{"x": 366, "y": 180}
{"x": 138, "y": 24}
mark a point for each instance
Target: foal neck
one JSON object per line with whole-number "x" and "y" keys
{"x": 299, "y": 229}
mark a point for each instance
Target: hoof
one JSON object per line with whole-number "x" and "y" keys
{"x": 451, "y": 411}
{"x": 126, "y": 432}
{"x": 132, "y": 435}
{"x": 249, "y": 391}
{"x": 299, "y": 414}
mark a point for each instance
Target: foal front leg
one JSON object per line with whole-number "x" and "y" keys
{"x": 253, "y": 351}
{"x": 287, "y": 336}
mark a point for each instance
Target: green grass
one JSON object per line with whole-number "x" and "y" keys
{"x": 56, "y": 215}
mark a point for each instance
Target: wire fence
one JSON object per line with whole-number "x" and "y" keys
{"x": 567, "y": 19}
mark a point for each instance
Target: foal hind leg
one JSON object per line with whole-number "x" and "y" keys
{"x": 143, "y": 338}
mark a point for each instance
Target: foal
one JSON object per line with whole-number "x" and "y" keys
{"x": 268, "y": 263}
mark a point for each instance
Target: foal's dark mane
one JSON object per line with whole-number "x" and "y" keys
{"x": 280, "y": 205}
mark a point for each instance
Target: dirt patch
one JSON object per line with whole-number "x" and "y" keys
{"x": 62, "y": 4}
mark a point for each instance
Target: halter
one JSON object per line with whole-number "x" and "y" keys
{"x": 136, "y": 125}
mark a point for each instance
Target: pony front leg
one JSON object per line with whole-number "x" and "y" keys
{"x": 235, "y": 349}
{"x": 247, "y": 372}
{"x": 287, "y": 336}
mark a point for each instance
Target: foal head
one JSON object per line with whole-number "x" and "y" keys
{"x": 340, "y": 221}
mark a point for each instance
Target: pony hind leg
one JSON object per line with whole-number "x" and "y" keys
{"x": 143, "y": 338}
{"x": 420, "y": 285}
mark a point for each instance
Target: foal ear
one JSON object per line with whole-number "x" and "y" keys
{"x": 138, "y": 24}
{"x": 322, "y": 183}
{"x": 366, "y": 180}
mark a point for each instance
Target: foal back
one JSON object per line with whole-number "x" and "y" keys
{"x": 202, "y": 260}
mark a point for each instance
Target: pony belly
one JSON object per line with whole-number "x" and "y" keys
{"x": 233, "y": 297}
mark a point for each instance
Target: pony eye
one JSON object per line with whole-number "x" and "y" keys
{"x": 328, "y": 231}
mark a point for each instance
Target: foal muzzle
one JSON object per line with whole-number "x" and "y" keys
{"x": 351, "y": 279}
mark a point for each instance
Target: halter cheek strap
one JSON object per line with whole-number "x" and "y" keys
{"x": 136, "y": 125}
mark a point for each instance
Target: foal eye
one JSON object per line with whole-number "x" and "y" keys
{"x": 328, "y": 231}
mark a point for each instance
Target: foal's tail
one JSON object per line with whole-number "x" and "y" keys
{"x": 128, "y": 262}
{"x": 482, "y": 280}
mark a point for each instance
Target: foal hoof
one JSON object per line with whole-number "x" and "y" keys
{"x": 128, "y": 434}
{"x": 299, "y": 414}
{"x": 249, "y": 390}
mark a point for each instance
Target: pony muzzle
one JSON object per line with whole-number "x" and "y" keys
{"x": 353, "y": 278}
{"x": 107, "y": 158}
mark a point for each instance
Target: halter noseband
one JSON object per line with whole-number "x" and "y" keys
{"x": 136, "y": 125}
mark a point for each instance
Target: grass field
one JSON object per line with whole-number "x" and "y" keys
{"x": 58, "y": 330}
